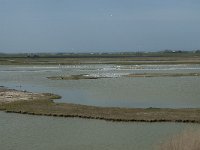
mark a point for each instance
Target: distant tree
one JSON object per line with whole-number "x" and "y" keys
{"x": 139, "y": 53}
{"x": 197, "y": 51}
{"x": 36, "y": 56}
{"x": 168, "y": 51}
{"x": 179, "y": 51}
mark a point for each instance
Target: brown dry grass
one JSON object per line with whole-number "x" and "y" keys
{"x": 187, "y": 140}
{"x": 50, "y": 108}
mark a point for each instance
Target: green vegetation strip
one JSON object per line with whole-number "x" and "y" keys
{"x": 121, "y": 59}
{"x": 46, "y": 106}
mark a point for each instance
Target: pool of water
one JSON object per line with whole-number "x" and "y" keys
{"x": 22, "y": 132}
{"x": 118, "y": 91}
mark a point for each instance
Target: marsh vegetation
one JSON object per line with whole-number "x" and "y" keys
{"x": 101, "y": 58}
{"x": 42, "y": 104}
{"x": 136, "y": 84}
{"x": 188, "y": 139}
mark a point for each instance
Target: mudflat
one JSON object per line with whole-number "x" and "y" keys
{"x": 136, "y": 75}
{"x": 11, "y": 95}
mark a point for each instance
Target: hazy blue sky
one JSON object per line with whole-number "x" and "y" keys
{"x": 98, "y": 25}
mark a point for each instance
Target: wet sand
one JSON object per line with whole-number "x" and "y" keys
{"x": 11, "y": 95}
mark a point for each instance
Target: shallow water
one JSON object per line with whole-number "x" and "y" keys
{"x": 22, "y": 132}
{"x": 117, "y": 91}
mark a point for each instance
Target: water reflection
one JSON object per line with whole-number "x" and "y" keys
{"x": 21, "y": 132}
{"x": 121, "y": 92}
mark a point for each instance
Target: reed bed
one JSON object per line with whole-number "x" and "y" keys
{"x": 187, "y": 140}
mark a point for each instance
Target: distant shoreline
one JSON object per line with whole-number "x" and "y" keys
{"x": 120, "y": 59}
{"x": 43, "y": 104}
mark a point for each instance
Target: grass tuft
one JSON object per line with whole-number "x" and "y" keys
{"x": 187, "y": 140}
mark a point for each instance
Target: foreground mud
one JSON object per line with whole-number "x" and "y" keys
{"x": 42, "y": 104}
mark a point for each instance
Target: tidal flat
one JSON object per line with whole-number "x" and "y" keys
{"x": 87, "y": 76}
{"x": 168, "y": 98}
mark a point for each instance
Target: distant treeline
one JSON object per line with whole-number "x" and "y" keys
{"x": 106, "y": 55}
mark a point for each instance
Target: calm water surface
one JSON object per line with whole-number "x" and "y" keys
{"x": 118, "y": 91}
{"x": 22, "y": 132}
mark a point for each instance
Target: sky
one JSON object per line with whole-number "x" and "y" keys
{"x": 99, "y": 25}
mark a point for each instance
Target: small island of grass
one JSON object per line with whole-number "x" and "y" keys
{"x": 74, "y": 77}
{"x": 163, "y": 75}
{"x": 136, "y": 75}
{"x": 42, "y": 104}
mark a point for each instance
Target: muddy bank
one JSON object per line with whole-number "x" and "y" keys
{"x": 74, "y": 77}
{"x": 87, "y": 76}
{"x": 45, "y": 106}
{"x": 164, "y": 75}
{"x": 11, "y": 95}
